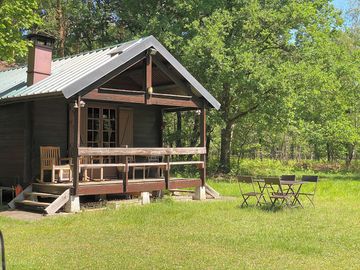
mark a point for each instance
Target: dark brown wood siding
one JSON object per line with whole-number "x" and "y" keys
{"x": 50, "y": 128}
{"x": 12, "y": 119}
{"x": 146, "y": 127}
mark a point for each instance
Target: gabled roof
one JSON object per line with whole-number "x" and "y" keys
{"x": 71, "y": 75}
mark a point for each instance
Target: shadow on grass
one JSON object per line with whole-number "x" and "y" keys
{"x": 266, "y": 207}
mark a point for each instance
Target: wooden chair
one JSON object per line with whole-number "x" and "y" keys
{"x": 154, "y": 159}
{"x": 276, "y": 192}
{"x": 247, "y": 194}
{"x": 310, "y": 195}
{"x": 50, "y": 161}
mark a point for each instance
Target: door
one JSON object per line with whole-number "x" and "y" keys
{"x": 126, "y": 129}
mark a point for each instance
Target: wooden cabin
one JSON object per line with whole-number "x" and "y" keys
{"x": 102, "y": 109}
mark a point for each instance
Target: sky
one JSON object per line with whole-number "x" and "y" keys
{"x": 341, "y": 4}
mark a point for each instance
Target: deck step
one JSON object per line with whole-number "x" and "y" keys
{"x": 41, "y": 194}
{"x": 33, "y": 203}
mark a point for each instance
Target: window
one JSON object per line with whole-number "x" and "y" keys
{"x": 101, "y": 130}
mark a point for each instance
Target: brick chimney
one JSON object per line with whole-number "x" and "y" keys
{"x": 39, "y": 58}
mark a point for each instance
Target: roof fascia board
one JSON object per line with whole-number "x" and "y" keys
{"x": 92, "y": 79}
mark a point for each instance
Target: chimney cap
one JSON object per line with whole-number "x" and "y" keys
{"x": 41, "y": 38}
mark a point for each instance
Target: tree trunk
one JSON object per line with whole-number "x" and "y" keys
{"x": 226, "y": 134}
{"x": 61, "y": 24}
{"x": 350, "y": 154}
{"x": 328, "y": 150}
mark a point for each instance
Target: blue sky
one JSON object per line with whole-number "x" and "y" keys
{"x": 341, "y": 4}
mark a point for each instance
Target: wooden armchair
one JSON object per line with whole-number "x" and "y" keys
{"x": 50, "y": 161}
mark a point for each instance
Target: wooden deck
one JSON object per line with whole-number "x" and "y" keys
{"x": 117, "y": 186}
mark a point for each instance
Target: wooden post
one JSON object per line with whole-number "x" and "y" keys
{"x": 76, "y": 159}
{"x": 203, "y": 143}
{"x": 148, "y": 77}
{"x": 167, "y": 171}
{"x": 161, "y": 129}
{"x": 126, "y": 175}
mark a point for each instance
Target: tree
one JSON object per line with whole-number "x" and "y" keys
{"x": 16, "y": 17}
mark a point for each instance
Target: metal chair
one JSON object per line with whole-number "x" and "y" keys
{"x": 253, "y": 193}
{"x": 276, "y": 192}
{"x": 310, "y": 195}
{"x": 291, "y": 177}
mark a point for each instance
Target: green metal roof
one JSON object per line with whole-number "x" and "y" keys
{"x": 63, "y": 72}
{"x": 71, "y": 75}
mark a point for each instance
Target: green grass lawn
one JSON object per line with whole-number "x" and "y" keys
{"x": 196, "y": 235}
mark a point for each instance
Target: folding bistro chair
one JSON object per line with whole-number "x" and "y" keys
{"x": 276, "y": 192}
{"x": 310, "y": 195}
{"x": 288, "y": 177}
{"x": 253, "y": 193}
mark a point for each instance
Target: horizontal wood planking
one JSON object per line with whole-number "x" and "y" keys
{"x": 119, "y": 97}
{"x": 184, "y": 183}
{"x": 101, "y": 188}
{"x": 145, "y": 186}
{"x": 12, "y": 124}
{"x": 157, "y": 151}
{"x": 171, "y": 101}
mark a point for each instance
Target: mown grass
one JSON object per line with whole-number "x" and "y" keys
{"x": 196, "y": 235}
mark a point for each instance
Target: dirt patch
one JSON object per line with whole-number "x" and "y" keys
{"x": 22, "y": 215}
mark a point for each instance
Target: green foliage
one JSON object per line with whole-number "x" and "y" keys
{"x": 16, "y": 16}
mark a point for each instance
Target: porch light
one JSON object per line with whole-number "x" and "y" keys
{"x": 152, "y": 51}
{"x": 82, "y": 104}
{"x": 198, "y": 112}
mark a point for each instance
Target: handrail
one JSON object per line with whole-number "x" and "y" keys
{"x": 157, "y": 151}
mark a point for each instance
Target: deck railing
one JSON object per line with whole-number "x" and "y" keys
{"x": 124, "y": 166}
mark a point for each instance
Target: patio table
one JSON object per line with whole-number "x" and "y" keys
{"x": 291, "y": 185}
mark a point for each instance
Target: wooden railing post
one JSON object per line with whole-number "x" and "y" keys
{"x": 203, "y": 144}
{"x": 167, "y": 171}
{"x": 126, "y": 175}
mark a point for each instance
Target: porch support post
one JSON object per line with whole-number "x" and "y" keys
{"x": 203, "y": 144}
{"x": 148, "y": 77}
{"x": 76, "y": 159}
{"x": 200, "y": 192}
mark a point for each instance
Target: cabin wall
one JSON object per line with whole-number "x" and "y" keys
{"x": 147, "y": 127}
{"x": 12, "y": 118}
{"x": 50, "y": 128}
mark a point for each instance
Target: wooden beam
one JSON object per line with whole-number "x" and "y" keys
{"x": 171, "y": 75}
{"x": 171, "y": 101}
{"x": 145, "y": 186}
{"x": 158, "y": 151}
{"x": 148, "y": 77}
{"x": 76, "y": 159}
{"x": 184, "y": 183}
{"x": 113, "y": 74}
{"x": 118, "y": 97}
{"x": 203, "y": 144}
{"x": 101, "y": 188}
